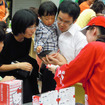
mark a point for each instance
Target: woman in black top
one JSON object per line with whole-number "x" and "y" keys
{"x": 15, "y": 59}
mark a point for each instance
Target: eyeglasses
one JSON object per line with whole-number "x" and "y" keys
{"x": 67, "y": 23}
{"x": 31, "y": 28}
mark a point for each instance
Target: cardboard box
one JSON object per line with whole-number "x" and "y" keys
{"x": 11, "y": 92}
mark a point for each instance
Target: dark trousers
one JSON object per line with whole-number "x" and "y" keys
{"x": 48, "y": 83}
{"x": 30, "y": 86}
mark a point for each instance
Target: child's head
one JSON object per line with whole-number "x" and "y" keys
{"x": 47, "y": 12}
{"x": 2, "y": 37}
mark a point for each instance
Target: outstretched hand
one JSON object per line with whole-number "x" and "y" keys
{"x": 24, "y": 66}
{"x": 56, "y": 59}
{"x": 38, "y": 49}
{"x": 52, "y": 68}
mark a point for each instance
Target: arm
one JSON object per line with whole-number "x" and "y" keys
{"x": 23, "y": 66}
{"x": 41, "y": 38}
{"x": 77, "y": 70}
{"x": 6, "y": 14}
{"x": 56, "y": 59}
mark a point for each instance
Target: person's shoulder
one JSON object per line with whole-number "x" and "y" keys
{"x": 73, "y": 29}
{"x": 8, "y": 38}
{"x": 27, "y": 39}
{"x": 41, "y": 26}
{"x": 9, "y": 35}
{"x": 42, "y": 29}
{"x": 76, "y": 27}
{"x": 97, "y": 44}
{"x": 79, "y": 36}
{"x": 83, "y": 3}
{"x": 87, "y": 10}
{"x": 84, "y": 6}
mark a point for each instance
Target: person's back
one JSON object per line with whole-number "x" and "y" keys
{"x": 85, "y": 17}
{"x": 95, "y": 87}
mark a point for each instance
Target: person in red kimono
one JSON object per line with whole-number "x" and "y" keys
{"x": 89, "y": 65}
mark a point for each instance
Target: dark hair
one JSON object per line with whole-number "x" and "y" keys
{"x": 34, "y": 10}
{"x": 71, "y": 8}
{"x": 101, "y": 36}
{"x": 98, "y": 6}
{"x": 80, "y": 1}
{"x": 2, "y": 34}
{"x": 47, "y": 8}
{"x": 22, "y": 19}
{"x": 3, "y": 25}
{"x": 101, "y": 29}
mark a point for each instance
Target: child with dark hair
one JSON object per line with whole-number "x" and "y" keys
{"x": 46, "y": 32}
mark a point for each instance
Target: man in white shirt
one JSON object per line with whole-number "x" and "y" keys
{"x": 71, "y": 40}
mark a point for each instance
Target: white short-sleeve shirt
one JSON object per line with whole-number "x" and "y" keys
{"x": 71, "y": 42}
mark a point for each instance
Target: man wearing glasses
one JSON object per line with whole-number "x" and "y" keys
{"x": 71, "y": 40}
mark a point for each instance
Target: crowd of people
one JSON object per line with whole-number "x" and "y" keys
{"x": 59, "y": 41}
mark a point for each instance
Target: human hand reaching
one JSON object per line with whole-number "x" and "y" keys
{"x": 52, "y": 68}
{"x": 24, "y": 66}
{"x": 56, "y": 59}
{"x": 38, "y": 49}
